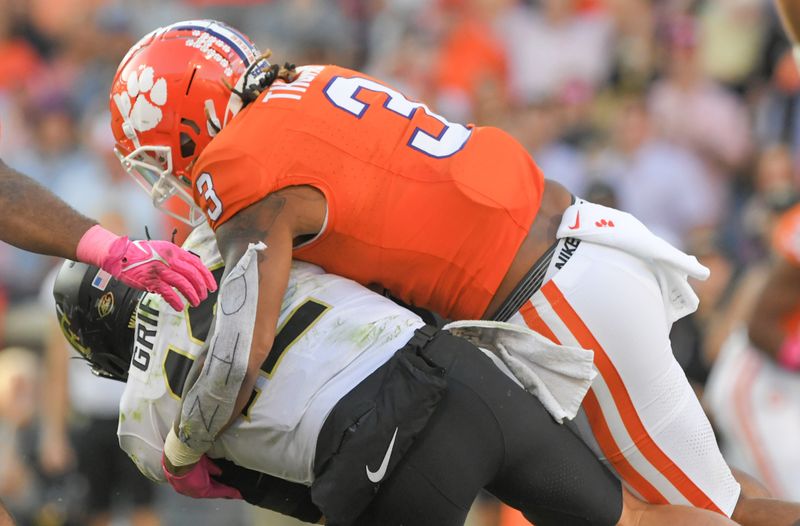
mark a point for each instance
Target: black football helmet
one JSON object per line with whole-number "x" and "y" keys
{"x": 95, "y": 313}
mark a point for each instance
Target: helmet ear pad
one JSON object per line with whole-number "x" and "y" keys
{"x": 189, "y": 138}
{"x": 95, "y": 313}
{"x": 189, "y": 133}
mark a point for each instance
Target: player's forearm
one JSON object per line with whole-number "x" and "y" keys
{"x": 257, "y": 247}
{"x": 264, "y": 223}
{"x": 246, "y": 391}
{"x": 790, "y": 15}
{"x": 261, "y": 343}
{"x": 36, "y": 220}
{"x": 178, "y": 468}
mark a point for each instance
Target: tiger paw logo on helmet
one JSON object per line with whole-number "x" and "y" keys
{"x": 142, "y": 99}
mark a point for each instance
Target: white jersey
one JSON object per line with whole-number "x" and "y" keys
{"x": 332, "y": 333}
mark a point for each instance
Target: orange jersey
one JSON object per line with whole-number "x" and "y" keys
{"x": 786, "y": 241}
{"x": 432, "y": 210}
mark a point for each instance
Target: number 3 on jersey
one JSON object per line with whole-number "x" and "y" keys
{"x": 342, "y": 92}
{"x": 206, "y": 188}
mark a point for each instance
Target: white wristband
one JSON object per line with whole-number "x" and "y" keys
{"x": 178, "y": 453}
{"x": 796, "y": 53}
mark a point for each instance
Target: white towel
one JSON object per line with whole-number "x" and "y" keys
{"x": 558, "y": 375}
{"x": 614, "y": 228}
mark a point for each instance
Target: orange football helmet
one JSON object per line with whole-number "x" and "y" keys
{"x": 171, "y": 95}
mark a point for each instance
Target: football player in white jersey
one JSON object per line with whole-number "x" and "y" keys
{"x": 342, "y": 423}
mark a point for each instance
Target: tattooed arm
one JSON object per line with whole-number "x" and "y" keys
{"x": 270, "y": 222}
{"x": 276, "y": 221}
{"x": 34, "y": 219}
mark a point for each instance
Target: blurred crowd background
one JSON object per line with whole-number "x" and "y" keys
{"x": 685, "y": 113}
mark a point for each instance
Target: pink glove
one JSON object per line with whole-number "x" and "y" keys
{"x": 789, "y": 354}
{"x": 197, "y": 482}
{"x": 155, "y": 266}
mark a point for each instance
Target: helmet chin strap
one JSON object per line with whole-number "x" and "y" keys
{"x": 213, "y": 124}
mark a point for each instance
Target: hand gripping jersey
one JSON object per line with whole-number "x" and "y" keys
{"x": 332, "y": 334}
{"x": 434, "y": 211}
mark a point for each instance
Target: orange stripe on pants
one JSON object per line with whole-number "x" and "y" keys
{"x": 602, "y": 433}
{"x": 623, "y": 402}
{"x": 535, "y": 322}
{"x": 597, "y": 421}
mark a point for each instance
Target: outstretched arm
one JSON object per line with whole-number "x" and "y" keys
{"x": 36, "y": 220}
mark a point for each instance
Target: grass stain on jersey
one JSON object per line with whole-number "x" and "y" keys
{"x": 380, "y": 332}
{"x": 367, "y": 334}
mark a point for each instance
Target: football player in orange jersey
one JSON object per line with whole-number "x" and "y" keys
{"x": 336, "y": 168}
